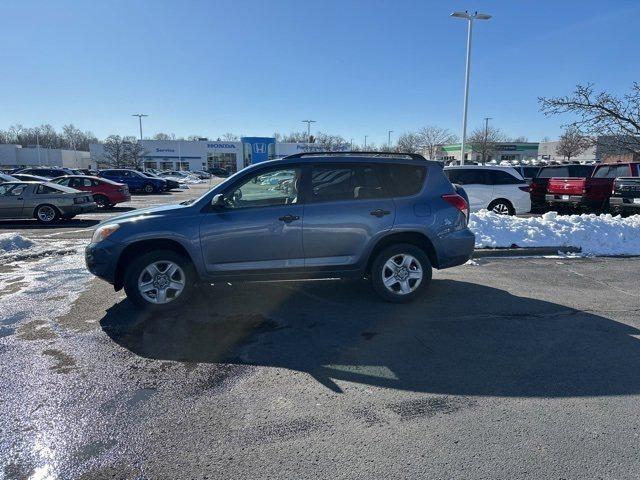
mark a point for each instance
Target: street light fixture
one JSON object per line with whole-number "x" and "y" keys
{"x": 140, "y": 115}
{"x": 470, "y": 17}
{"x": 308, "y": 122}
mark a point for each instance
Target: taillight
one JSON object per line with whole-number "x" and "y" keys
{"x": 525, "y": 189}
{"x": 457, "y": 201}
{"x": 533, "y": 187}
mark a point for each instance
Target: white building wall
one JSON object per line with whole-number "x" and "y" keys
{"x": 16, "y": 156}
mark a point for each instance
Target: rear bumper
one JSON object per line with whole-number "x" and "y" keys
{"x": 102, "y": 258}
{"x": 455, "y": 249}
{"x": 119, "y": 198}
{"x": 77, "y": 209}
{"x": 625, "y": 203}
{"x": 571, "y": 200}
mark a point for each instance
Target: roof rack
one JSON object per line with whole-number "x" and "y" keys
{"x": 414, "y": 156}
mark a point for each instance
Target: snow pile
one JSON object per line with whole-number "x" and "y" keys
{"x": 594, "y": 234}
{"x": 10, "y": 242}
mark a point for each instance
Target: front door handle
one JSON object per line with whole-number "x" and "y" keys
{"x": 378, "y": 212}
{"x": 289, "y": 218}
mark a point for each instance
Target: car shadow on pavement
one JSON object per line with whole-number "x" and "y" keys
{"x": 458, "y": 338}
{"x": 34, "y": 225}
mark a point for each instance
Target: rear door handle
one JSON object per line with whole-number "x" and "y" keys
{"x": 378, "y": 212}
{"x": 289, "y": 218}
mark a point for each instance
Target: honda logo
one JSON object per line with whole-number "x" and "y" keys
{"x": 260, "y": 148}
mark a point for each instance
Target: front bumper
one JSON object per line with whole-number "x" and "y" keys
{"x": 455, "y": 249}
{"x": 77, "y": 208}
{"x": 102, "y": 259}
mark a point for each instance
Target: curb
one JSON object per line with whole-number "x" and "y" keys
{"x": 523, "y": 252}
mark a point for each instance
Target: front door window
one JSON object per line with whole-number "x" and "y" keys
{"x": 276, "y": 187}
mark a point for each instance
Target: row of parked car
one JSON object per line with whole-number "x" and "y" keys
{"x": 49, "y": 194}
{"x": 515, "y": 190}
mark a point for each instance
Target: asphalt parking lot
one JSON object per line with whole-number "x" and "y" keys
{"x": 510, "y": 368}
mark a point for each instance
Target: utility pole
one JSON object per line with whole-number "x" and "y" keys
{"x": 308, "y": 122}
{"x": 470, "y": 17}
{"x": 365, "y": 141}
{"x": 140, "y": 115}
{"x": 389, "y": 139}
{"x": 38, "y": 147}
{"x": 486, "y": 138}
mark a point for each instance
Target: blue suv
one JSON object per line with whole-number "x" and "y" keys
{"x": 136, "y": 181}
{"x": 389, "y": 217}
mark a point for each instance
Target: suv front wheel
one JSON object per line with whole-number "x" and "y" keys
{"x": 400, "y": 272}
{"x": 159, "y": 280}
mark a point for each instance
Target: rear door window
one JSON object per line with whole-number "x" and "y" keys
{"x": 345, "y": 182}
{"x": 405, "y": 180}
{"x": 466, "y": 176}
{"x": 612, "y": 171}
{"x": 580, "y": 171}
{"x": 498, "y": 177}
{"x": 554, "y": 172}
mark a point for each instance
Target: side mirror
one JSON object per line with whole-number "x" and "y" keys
{"x": 218, "y": 201}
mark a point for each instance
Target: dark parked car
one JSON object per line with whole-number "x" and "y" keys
{"x": 625, "y": 196}
{"x": 46, "y": 172}
{"x": 538, "y": 186}
{"x": 391, "y": 218}
{"x": 136, "y": 181}
{"x": 218, "y": 172}
{"x": 170, "y": 184}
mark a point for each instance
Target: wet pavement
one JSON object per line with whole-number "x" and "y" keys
{"x": 512, "y": 368}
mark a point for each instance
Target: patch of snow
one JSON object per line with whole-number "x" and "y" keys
{"x": 594, "y": 234}
{"x": 10, "y": 242}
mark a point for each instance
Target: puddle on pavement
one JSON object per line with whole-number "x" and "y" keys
{"x": 64, "y": 362}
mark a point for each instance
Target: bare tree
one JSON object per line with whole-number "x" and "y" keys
{"x": 601, "y": 115}
{"x": 409, "y": 143}
{"x": 114, "y": 152}
{"x": 572, "y": 143}
{"x": 434, "y": 138}
{"x": 295, "y": 137}
{"x": 331, "y": 143}
{"x": 164, "y": 136}
{"x": 485, "y": 140}
{"x": 230, "y": 137}
{"x": 134, "y": 152}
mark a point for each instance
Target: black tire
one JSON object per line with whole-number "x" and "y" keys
{"x": 135, "y": 270}
{"x": 43, "y": 215}
{"x": 101, "y": 200}
{"x": 148, "y": 188}
{"x": 395, "y": 251}
{"x": 505, "y": 207}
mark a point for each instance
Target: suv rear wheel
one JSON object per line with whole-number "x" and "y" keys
{"x": 159, "y": 280}
{"x": 400, "y": 272}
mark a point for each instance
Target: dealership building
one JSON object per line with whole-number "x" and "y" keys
{"x": 205, "y": 154}
{"x": 504, "y": 151}
{"x": 14, "y": 156}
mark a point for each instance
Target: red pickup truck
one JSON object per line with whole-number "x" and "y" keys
{"x": 592, "y": 192}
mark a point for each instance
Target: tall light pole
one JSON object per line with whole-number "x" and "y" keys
{"x": 140, "y": 115}
{"x": 486, "y": 138}
{"x": 470, "y": 17}
{"x": 365, "y": 141}
{"x": 308, "y": 122}
{"x": 389, "y": 139}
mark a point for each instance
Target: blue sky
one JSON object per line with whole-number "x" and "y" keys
{"x": 255, "y": 67}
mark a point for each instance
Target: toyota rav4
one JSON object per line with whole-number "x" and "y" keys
{"x": 389, "y": 217}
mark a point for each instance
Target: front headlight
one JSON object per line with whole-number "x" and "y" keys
{"x": 103, "y": 232}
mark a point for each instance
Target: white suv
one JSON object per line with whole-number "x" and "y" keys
{"x": 499, "y": 189}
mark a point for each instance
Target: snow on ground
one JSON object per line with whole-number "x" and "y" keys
{"x": 38, "y": 285}
{"x": 11, "y": 242}
{"x": 594, "y": 234}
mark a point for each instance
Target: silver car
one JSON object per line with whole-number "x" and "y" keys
{"x": 46, "y": 202}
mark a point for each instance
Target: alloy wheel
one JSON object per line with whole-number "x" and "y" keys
{"x": 402, "y": 274}
{"x": 500, "y": 209}
{"x": 161, "y": 282}
{"x": 46, "y": 214}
